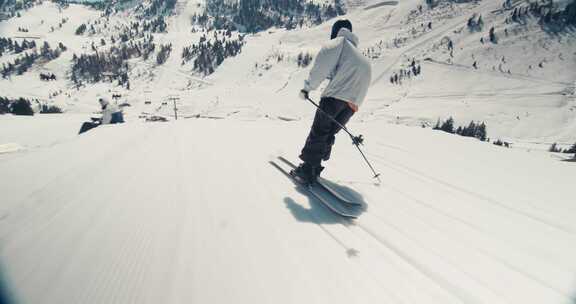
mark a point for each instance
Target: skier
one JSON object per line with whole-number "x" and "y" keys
{"x": 349, "y": 73}
{"x": 111, "y": 114}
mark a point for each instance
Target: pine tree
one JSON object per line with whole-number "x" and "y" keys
{"x": 471, "y": 24}
{"x": 17, "y": 48}
{"x": 481, "y": 132}
{"x": 299, "y": 59}
{"x": 45, "y": 50}
{"x": 50, "y": 109}
{"x": 469, "y": 130}
{"x": 4, "y": 105}
{"x": 570, "y": 13}
{"x": 22, "y": 107}
{"x": 448, "y": 125}
{"x": 480, "y": 23}
{"x": 81, "y": 29}
{"x": 492, "y": 35}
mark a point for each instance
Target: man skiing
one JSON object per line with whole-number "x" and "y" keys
{"x": 349, "y": 73}
{"x": 111, "y": 114}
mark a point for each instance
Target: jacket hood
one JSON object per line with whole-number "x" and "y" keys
{"x": 348, "y": 35}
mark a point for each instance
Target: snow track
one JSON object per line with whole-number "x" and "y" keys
{"x": 148, "y": 213}
{"x": 190, "y": 211}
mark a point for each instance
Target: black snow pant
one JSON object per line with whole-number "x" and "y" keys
{"x": 322, "y": 134}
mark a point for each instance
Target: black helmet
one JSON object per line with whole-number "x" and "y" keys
{"x": 338, "y": 25}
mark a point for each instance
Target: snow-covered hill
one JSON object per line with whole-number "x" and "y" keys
{"x": 191, "y": 211}
{"x": 523, "y": 86}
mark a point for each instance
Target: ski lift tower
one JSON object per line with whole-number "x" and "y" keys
{"x": 174, "y": 99}
{"x": 147, "y": 97}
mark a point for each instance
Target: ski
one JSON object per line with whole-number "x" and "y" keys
{"x": 314, "y": 193}
{"x": 322, "y": 183}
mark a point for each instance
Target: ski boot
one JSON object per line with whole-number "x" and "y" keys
{"x": 307, "y": 174}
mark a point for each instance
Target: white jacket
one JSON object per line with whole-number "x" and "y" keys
{"x": 349, "y": 71}
{"x": 107, "y": 113}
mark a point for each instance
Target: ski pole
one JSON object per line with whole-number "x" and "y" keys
{"x": 356, "y": 140}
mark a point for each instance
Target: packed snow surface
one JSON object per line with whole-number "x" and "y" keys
{"x": 192, "y": 212}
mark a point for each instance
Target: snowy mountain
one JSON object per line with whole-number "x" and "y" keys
{"x": 192, "y": 211}
{"x": 522, "y": 86}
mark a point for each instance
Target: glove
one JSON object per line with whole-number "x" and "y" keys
{"x": 303, "y": 94}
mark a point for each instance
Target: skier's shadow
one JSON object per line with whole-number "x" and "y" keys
{"x": 318, "y": 213}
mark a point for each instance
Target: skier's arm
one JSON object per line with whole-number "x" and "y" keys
{"x": 325, "y": 62}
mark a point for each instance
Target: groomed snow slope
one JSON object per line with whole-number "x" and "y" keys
{"x": 192, "y": 212}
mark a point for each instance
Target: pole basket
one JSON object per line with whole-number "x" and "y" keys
{"x": 358, "y": 140}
